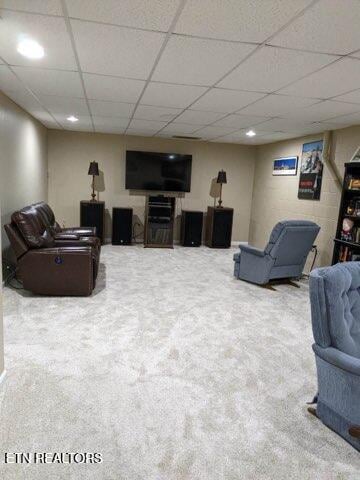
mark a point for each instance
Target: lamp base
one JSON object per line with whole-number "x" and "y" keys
{"x": 219, "y": 205}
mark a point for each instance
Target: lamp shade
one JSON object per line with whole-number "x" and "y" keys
{"x": 221, "y": 177}
{"x": 93, "y": 169}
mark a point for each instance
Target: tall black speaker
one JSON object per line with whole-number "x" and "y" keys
{"x": 122, "y": 226}
{"x": 191, "y": 228}
{"x": 219, "y": 227}
{"x": 92, "y": 214}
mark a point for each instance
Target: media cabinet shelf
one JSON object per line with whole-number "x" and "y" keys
{"x": 159, "y": 221}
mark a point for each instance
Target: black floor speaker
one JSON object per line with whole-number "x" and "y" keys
{"x": 219, "y": 222}
{"x": 191, "y": 228}
{"x": 92, "y": 214}
{"x": 122, "y": 226}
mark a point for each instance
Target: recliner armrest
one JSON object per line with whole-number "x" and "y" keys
{"x": 338, "y": 359}
{"x": 81, "y": 231}
{"x": 58, "y": 271}
{"x": 252, "y": 250}
{"x": 66, "y": 236}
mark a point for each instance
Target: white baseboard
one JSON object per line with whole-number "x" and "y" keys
{"x": 2, "y": 376}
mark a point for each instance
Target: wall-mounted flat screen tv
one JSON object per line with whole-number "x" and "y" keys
{"x": 168, "y": 172}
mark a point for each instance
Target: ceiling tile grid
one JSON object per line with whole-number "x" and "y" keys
{"x": 112, "y": 50}
{"x": 49, "y": 31}
{"x": 195, "y": 61}
{"x": 271, "y": 68}
{"x": 186, "y": 67}
{"x": 241, "y": 20}
{"x": 154, "y": 15}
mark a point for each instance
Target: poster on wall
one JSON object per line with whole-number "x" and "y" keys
{"x": 311, "y": 170}
{"x": 285, "y": 166}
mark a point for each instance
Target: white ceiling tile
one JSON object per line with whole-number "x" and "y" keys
{"x": 64, "y": 105}
{"x": 45, "y": 119}
{"x": 274, "y": 136}
{"x": 162, "y": 114}
{"x": 318, "y": 127}
{"x": 111, "y": 109}
{"x": 47, "y": 7}
{"x": 322, "y": 111}
{"x": 277, "y": 105}
{"x": 113, "y": 122}
{"x": 240, "y": 137}
{"x": 335, "y": 79}
{"x": 179, "y": 129}
{"x": 170, "y": 95}
{"x": 51, "y": 82}
{"x": 26, "y": 101}
{"x": 330, "y": 26}
{"x": 154, "y": 15}
{"x": 146, "y": 125}
{"x": 139, "y": 133}
{"x": 114, "y": 89}
{"x": 110, "y": 129}
{"x": 8, "y": 81}
{"x": 196, "y": 61}
{"x": 231, "y": 138}
{"x": 82, "y": 125}
{"x": 284, "y": 125}
{"x": 346, "y": 120}
{"x": 225, "y": 101}
{"x": 270, "y": 68}
{"x": 50, "y": 32}
{"x": 208, "y": 133}
{"x": 196, "y": 117}
{"x": 251, "y": 21}
{"x": 352, "y": 97}
{"x": 240, "y": 121}
{"x": 114, "y": 50}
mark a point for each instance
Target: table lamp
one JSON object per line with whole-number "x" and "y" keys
{"x": 221, "y": 179}
{"x": 94, "y": 171}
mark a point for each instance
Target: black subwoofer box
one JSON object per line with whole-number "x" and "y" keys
{"x": 122, "y": 226}
{"x": 191, "y": 228}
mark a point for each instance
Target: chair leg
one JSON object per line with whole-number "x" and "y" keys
{"x": 313, "y": 411}
{"x": 293, "y": 284}
{"x": 268, "y": 286}
{"x": 354, "y": 431}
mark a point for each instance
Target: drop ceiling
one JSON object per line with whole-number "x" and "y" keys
{"x": 202, "y": 68}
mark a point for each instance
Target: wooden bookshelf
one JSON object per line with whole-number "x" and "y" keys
{"x": 347, "y": 247}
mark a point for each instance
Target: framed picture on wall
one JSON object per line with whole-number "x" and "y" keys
{"x": 311, "y": 171}
{"x": 285, "y": 166}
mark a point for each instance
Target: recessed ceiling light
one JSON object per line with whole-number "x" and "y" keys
{"x": 30, "y": 49}
{"x": 72, "y": 119}
{"x": 251, "y": 133}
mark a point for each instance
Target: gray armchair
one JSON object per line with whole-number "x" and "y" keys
{"x": 284, "y": 256}
{"x": 335, "y": 313}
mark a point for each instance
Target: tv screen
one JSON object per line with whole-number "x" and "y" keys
{"x": 168, "y": 172}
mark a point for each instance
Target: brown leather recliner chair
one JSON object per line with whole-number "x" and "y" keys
{"x": 65, "y": 237}
{"x": 44, "y": 264}
{"x": 49, "y": 217}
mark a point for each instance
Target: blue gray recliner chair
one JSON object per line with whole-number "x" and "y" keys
{"x": 335, "y": 312}
{"x": 284, "y": 256}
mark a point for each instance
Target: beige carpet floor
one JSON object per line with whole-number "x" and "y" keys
{"x": 172, "y": 370}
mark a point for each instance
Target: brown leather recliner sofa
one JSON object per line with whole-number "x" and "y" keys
{"x": 51, "y": 260}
